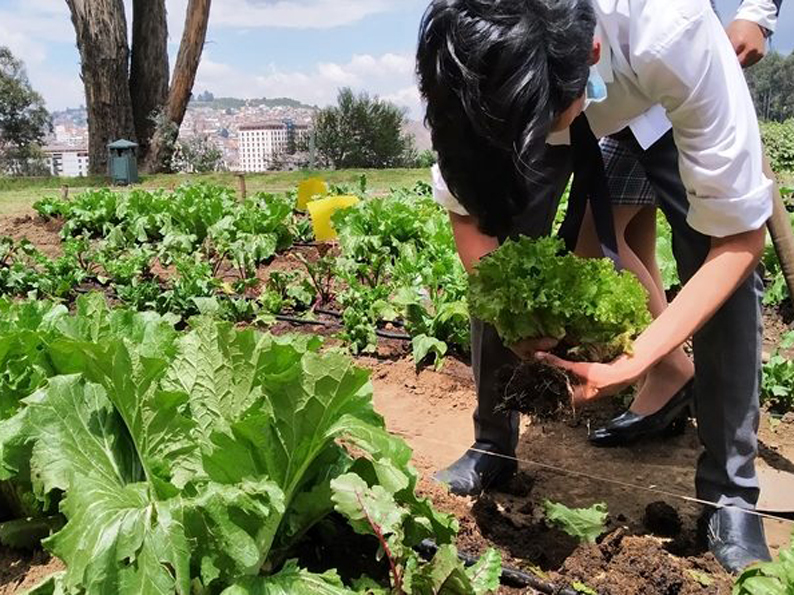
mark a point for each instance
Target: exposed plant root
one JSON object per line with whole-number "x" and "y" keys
{"x": 536, "y": 389}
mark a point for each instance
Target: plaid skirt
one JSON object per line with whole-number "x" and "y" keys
{"x": 628, "y": 184}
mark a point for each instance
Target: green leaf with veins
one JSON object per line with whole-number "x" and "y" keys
{"x": 291, "y": 580}
{"x": 82, "y": 449}
{"x": 586, "y": 524}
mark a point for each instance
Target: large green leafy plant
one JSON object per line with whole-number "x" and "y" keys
{"x": 195, "y": 462}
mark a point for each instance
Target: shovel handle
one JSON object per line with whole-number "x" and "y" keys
{"x": 781, "y": 231}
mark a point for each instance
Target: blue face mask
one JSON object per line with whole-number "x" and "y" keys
{"x": 596, "y": 90}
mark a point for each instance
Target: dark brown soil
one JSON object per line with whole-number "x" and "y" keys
{"x": 20, "y": 571}
{"x": 535, "y": 389}
{"x": 662, "y": 520}
{"x": 630, "y": 565}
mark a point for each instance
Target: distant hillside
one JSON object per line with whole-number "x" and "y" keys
{"x": 207, "y": 99}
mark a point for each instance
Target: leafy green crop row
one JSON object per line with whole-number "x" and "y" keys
{"x": 197, "y": 462}
{"x": 778, "y": 140}
{"x": 396, "y": 263}
{"x": 398, "y": 259}
{"x": 777, "y": 388}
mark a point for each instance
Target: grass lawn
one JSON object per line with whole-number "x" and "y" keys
{"x": 18, "y": 194}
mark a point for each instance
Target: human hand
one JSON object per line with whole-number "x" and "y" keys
{"x": 528, "y": 348}
{"x": 595, "y": 380}
{"x": 748, "y": 41}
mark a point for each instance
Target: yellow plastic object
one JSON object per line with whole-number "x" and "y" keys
{"x": 308, "y": 188}
{"x": 321, "y": 212}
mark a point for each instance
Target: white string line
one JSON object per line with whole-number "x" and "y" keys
{"x": 617, "y": 482}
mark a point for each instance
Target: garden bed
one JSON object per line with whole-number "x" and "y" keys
{"x": 432, "y": 411}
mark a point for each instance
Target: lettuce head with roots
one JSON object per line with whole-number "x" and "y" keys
{"x": 530, "y": 289}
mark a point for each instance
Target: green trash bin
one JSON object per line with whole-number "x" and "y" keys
{"x": 123, "y": 162}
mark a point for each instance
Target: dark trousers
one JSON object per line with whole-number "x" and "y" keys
{"x": 727, "y": 349}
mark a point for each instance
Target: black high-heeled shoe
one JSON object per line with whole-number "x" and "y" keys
{"x": 629, "y": 427}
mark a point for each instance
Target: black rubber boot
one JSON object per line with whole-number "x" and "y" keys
{"x": 476, "y": 471}
{"x": 736, "y": 538}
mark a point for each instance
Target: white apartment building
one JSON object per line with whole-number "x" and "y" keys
{"x": 67, "y": 161}
{"x": 261, "y": 145}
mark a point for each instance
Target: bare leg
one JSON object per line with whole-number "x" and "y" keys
{"x": 640, "y": 234}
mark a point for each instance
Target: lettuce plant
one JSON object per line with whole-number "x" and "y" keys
{"x": 529, "y": 289}
{"x": 585, "y": 524}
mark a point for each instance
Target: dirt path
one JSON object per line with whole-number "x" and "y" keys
{"x": 21, "y": 571}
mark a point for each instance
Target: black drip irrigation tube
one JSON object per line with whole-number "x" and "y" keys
{"x": 335, "y": 314}
{"x": 308, "y": 322}
{"x": 511, "y": 577}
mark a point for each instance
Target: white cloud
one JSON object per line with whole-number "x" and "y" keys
{"x": 390, "y": 76}
{"x": 31, "y": 27}
{"x": 246, "y": 15}
{"x": 409, "y": 98}
{"x": 304, "y": 14}
{"x": 27, "y": 28}
{"x": 60, "y": 90}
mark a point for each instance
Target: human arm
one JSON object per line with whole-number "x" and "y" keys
{"x": 753, "y": 23}
{"x": 472, "y": 244}
{"x": 727, "y": 265}
{"x": 694, "y": 74}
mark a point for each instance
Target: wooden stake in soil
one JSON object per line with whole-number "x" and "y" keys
{"x": 65, "y": 192}
{"x": 241, "y": 186}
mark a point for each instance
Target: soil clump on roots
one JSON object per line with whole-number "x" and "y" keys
{"x": 536, "y": 389}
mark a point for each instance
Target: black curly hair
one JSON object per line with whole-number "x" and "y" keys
{"x": 495, "y": 74}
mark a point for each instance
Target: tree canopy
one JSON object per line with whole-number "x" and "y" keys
{"x": 24, "y": 121}
{"x": 771, "y": 83}
{"x": 362, "y": 132}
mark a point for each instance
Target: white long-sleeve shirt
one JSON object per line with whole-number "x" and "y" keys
{"x": 669, "y": 63}
{"x": 763, "y": 12}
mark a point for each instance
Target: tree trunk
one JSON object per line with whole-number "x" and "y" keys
{"x": 187, "y": 62}
{"x": 148, "y": 67}
{"x": 101, "y": 29}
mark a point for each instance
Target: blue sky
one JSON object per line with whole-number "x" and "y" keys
{"x": 304, "y": 49}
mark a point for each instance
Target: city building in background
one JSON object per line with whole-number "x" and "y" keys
{"x": 67, "y": 161}
{"x": 265, "y": 146}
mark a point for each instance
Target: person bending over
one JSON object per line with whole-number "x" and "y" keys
{"x": 503, "y": 81}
